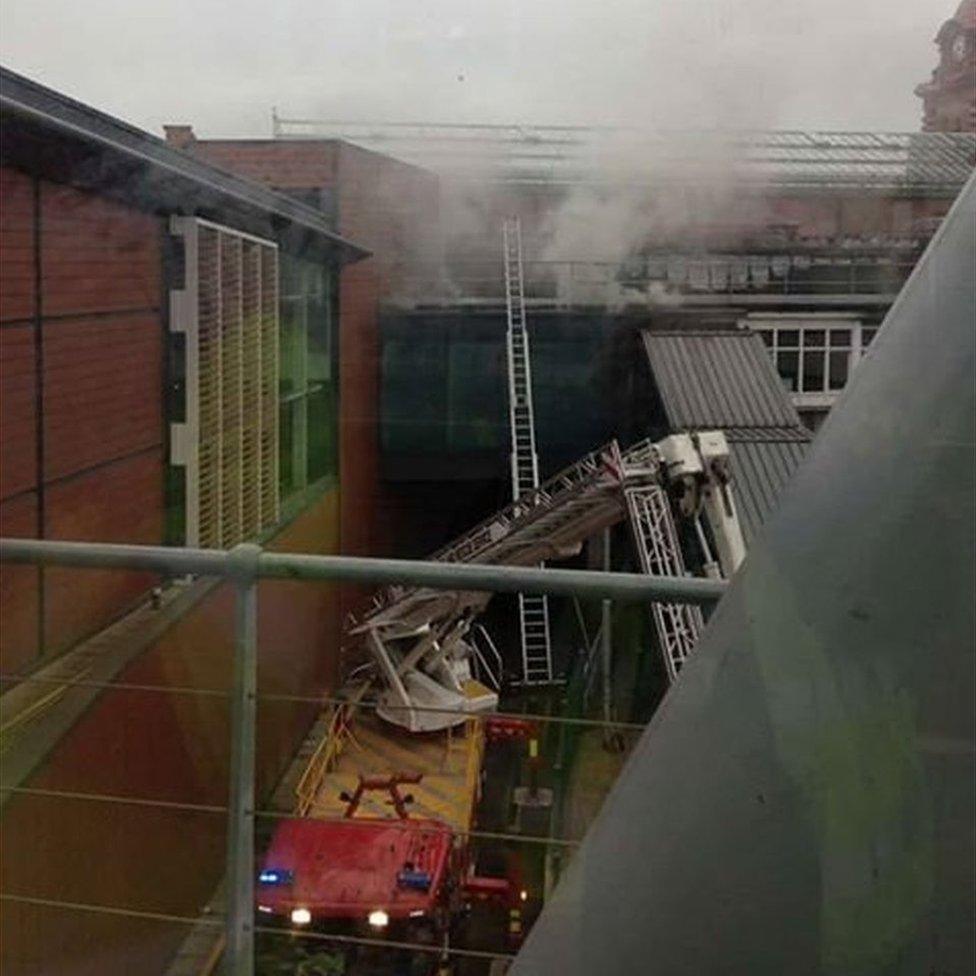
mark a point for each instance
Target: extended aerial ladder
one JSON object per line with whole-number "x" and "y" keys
{"x": 419, "y": 638}
{"x": 696, "y": 469}
{"x": 533, "y": 608}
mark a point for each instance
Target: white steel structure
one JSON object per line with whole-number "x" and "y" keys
{"x": 227, "y": 310}
{"x": 697, "y": 465}
{"x": 418, "y": 637}
{"x": 659, "y": 552}
{"x": 533, "y": 608}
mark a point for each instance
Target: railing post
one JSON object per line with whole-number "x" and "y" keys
{"x": 239, "y": 956}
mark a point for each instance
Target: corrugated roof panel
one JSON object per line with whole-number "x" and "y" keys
{"x": 717, "y": 379}
{"x": 726, "y": 380}
{"x": 760, "y": 470}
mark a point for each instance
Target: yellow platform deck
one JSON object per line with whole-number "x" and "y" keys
{"x": 449, "y": 761}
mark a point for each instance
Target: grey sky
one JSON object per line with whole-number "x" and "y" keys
{"x": 840, "y": 64}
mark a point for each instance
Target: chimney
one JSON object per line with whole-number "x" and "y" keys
{"x": 179, "y": 136}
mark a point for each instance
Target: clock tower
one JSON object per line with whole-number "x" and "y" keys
{"x": 949, "y": 97}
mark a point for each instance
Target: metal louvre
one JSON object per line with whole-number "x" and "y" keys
{"x": 209, "y": 401}
{"x": 251, "y": 389}
{"x": 269, "y": 500}
{"x": 229, "y": 441}
{"x": 231, "y": 382}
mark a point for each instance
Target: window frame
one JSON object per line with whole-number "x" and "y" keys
{"x": 294, "y": 404}
{"x": 774, "y": 326}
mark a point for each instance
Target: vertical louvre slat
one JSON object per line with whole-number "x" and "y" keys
{"x": 231, "y": 398}
{"x": 269, "y": 386}
{"x": 251, "y": 388}
{"x": 209, "y": 358}
{"x": 235, "y": 330}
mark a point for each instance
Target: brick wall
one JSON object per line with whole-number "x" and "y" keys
{"x": 81, "y": 429}
{"x": 285, "y": 166}
{"x": 96, "y": 348}
{"x": 166, "y": 746}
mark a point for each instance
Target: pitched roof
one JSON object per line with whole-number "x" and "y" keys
{"x": 761, "y": 469}
{"x": 726, "y": 380}
{"x": 717, "y": 379}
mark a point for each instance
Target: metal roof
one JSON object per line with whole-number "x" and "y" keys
{"x": 717, "y": 379}
{"x": 726, "y": 380}
{"x": 761, "y": 467}
{"x": 45, "y": 131}
{"x": 908, "y": 162}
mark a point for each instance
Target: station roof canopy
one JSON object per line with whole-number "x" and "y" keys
{"x": 930, "y": 163}
{"x": 50, "y": 135}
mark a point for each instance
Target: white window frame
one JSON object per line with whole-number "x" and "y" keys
{"x": 774, "y": 323}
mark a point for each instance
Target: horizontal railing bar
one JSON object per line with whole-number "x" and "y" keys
{"x": 216, "y": 921}
{"x": 188, "y": 807}
{"x": 323, "y": 700}
{"x": 249, "y": 561}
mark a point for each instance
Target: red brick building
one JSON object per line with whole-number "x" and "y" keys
{"x": 393, "y": 209}
{"x": 949, "y": 97}
{"x": 137, "y": 284}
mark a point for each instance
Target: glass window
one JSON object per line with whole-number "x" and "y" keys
{"x": 291, "y": 363}
{"x": 811, "y": 358}
{"x": 308, "y": 448}
{"x": 322, "y": 448}
{"x": 788, "y": 364}
{"x": 814, "y": 371}
{"x": 319, "y": 317}
{"x": 477, "y": 396}
{"x": 286, "y": 448}
{"x": 839, "y": 364}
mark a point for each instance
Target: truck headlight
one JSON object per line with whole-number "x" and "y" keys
{"x": 379, "y": 919}
{"x": 300, "y": 916}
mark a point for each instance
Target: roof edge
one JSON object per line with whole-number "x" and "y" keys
{"x": 50, "y": 109}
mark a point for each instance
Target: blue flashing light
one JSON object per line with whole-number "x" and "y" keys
{"x": 417, "y": 880}
{"x": 276, "y": 876}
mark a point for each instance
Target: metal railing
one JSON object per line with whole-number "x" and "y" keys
{"x": 324, "y": 758}
{"x": 247, "y": 563}
{"x": 563, "y": 283}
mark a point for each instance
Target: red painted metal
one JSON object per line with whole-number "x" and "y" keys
{"x": 389, "y": 784}
{"x": 489, "y": 889}
{"x": 348, "y": 868}
{"x": 500, "y": 728}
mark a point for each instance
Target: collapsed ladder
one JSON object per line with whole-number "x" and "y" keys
{"x": 551, "y": 522}
{"x": 533, "y": 608}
